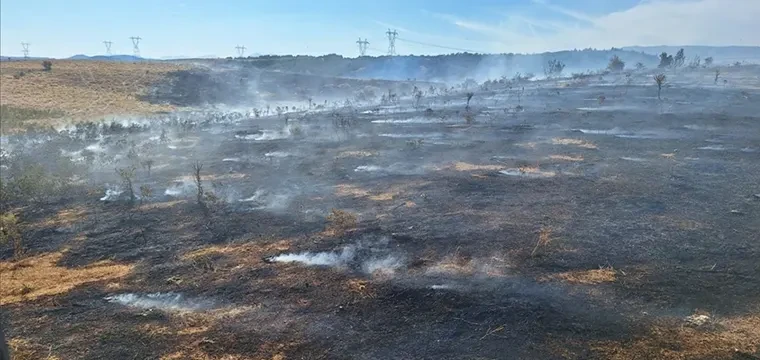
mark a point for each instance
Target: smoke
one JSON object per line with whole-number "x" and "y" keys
{"x": 369, "y": 256}
{"x": 169, "y": 301}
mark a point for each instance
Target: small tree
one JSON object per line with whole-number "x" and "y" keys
{"x": 680, "y": 59}
{"x": 47, "y": 65}
{"x": 640, "y": 66}
{"x": 126, "y": 175}
{"x": 708, "y": 61}
{"x": 665, "y": 60}
{"x": 660, "y": 80}
{"x": 616, "y": 64}
{"x": 147, "y": 165}
{"x": 717, "y": 74}
{"x": 469, "y": 97}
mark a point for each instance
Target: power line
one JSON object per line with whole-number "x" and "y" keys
{"x": 392, "y": 35}
{"x": 25, "y": 49}
{"x": 437, "y": 46}
{"x": 108, "y": 47}
{"x": 240, "y": 50}
{"x": 362, "y": 46}
{"x": 136, "y": 44}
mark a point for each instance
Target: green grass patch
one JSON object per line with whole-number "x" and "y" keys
{"x": 13, "y": 116}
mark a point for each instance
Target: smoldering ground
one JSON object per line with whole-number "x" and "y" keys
{"x": 549, "y": 218}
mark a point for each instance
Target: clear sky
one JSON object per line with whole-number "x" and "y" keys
{"x": 61, "y": 28}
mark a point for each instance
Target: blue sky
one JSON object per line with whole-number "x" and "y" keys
{"x": 198, "y": 28}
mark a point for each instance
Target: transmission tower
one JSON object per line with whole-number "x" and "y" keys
{"x": 25, "y": 49}
{"x": 136, "y": 43}
{"x": 240, "y": 50}
{"x": 108, "y": 47}
{"x": 391, "y": 41}
{"x": 362, "y": 46}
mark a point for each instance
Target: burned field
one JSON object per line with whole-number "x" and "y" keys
{"x": 549, "y": 220}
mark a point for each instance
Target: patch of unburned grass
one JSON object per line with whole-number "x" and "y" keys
{"x": 355, "y": 154}
{"x": 14, "y": 116}
{"x": 566, "y": 158}
{"x": 65, "y": 218}
{"x": 585, "y": 277}
{"x": 573, "y": 142}
{"x": 463, "y": 166}
{"x": 83, "y": 89}
{"x": 23, "y": 349}
{"x": 40, "y": 275}
{"x": 672, "y": 340}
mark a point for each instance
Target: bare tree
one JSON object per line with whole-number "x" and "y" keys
{"x": 660, "y": 80}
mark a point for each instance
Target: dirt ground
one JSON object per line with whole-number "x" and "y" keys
{"x": 568, "y": 220}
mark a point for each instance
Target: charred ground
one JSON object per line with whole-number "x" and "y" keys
{"x": 554, "y": 219}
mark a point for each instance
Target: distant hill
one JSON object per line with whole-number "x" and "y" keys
{"x": 453, "y": 67}
{"x": 721, "y": 54}
{"x": 107, "y": 57}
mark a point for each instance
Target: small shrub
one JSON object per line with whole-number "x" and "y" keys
{"x": 554, "y": 68}
{"x": 717, "y": 75}
{"x": 47, "y": 65}
{"x": 708, "y": 61}
{"x": 341, "y": 221}
{"x": 10, "y": 232}
{"x": 469, "y": 96}
{"x": 146, "y": 192}
{"x": 640, "y": 66}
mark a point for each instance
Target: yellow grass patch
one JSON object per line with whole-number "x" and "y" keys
{"x": 83, "y": 89}
{"x": 39, "y": 276}
{"x": 585, "y": 277}
{"x": 161, "y": 205}
{"x": 241, "y": 250}
{"x": 350, "y": 154}
{"x": 575, "y": 142}
{"x": 23, "y": 349}
{"x": 350, "y": 190}
{"x": 731, "y": 335}
{"x": 463, "y": 166}
{"x": 566, "y": 157}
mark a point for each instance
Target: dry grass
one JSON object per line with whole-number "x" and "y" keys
{"x": 673, "y": 340}
{"x": 83, "y": 89}
{"x": 463, "y": 166}
{"x": 39, "y": 276}
{"x": 566, "y": 157}
{"x": 65, "y": 218}
{"x": 23, "y": 349}
{"x": 574, "y": 142}
{"x": 355, "y": 154}
{"x": 340, "y": 221}
{"x": 350, "y": 190}
{"x": 585, "y": 277}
